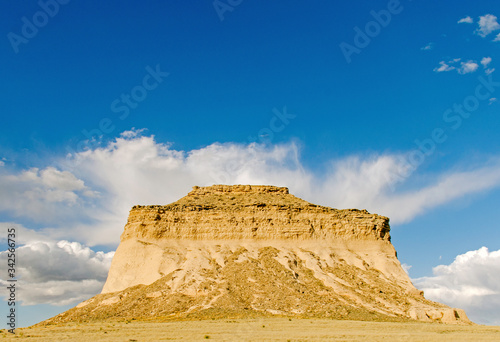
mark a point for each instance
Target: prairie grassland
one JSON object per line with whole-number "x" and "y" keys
{"x": 266, "y": 329}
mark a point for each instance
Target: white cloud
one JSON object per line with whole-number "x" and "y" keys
{"x": 485, "y": 61}
{"x": 467, "y": 20}
{"x": 487, "y": 24}
{"x": 471, "y": 282}
{"x": 58, "y": 293}
{"x": 368, "y": 183}
{"x": 497, "y": 38}
{"x": 429, "y": 46}
{"x": 132, "y": 133}
{"x": 492, "y": 100}
{"x": 25, "y": 235}
{"x": 64, "y": 180}
{"x": 468, "y": 67}
{"x": 406, "y": 268}
{"x": 41, "y": 194}
{"x": 139, "y": 170}
{"x": 443, "y": 66}
{"x": 58, "y": 273}
{"x": 402, "y": 207}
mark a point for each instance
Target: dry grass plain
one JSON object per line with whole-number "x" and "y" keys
{"x": 268, "y": 329}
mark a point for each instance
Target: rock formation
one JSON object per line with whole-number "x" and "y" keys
{"x": 248, "y": 251}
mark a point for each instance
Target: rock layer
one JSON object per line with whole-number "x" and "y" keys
{"x": 250, "y": 212}
{"x": 238, "y": 251}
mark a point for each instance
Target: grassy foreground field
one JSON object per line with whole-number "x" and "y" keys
{"x": 268, "y": 329}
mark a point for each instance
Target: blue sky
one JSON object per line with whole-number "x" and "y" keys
{"x": 120, "y": 103}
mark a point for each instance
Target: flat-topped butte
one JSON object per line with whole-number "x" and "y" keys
{"x": 256, "y": 251}
{"x": 251, "y": 212}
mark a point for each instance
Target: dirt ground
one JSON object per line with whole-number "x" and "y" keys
{"x": 267, "y": 329}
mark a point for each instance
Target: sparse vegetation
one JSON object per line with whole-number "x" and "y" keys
{"x": 253, "y": 329}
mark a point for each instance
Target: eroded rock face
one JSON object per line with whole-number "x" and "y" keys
{"x": 239, "y": 251}
{"x": 251, "y": 212}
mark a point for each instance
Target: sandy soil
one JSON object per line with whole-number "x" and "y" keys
{"x": 268, "y": 329}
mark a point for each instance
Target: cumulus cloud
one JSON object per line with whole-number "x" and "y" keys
{"x": 138, "y": 170}
{"x": 487, "y": 24}
{"x": 470, "y": 282}
{"x": 468, "y": 67}
{"x": 58, "y": 293}
{"x": 58, "y": 273}
{"x": 443, "y": 66}
{"x": 466, "y": 20}
{"x": 41, "y": 194}
{"x": 485, "y": 61}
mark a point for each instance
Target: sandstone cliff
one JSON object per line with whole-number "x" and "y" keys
{"x": 238, "y": 251}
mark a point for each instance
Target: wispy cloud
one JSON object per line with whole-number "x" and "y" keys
{"x": 466, "y": 20}
{"x": 487, "y": 24}
{"x": 429, "y": 46}
{"x": 405, "y": 206}
{"x": 406, "y": 268}
{"x": 470, "y": 282}
{"x": 443, "y": 67}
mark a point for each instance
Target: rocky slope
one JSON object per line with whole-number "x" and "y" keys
{"x": 245, "y": 251}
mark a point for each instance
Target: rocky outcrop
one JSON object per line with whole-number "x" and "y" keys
{"x": 250, "y": 212}
{"x": 239, "y": 251}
